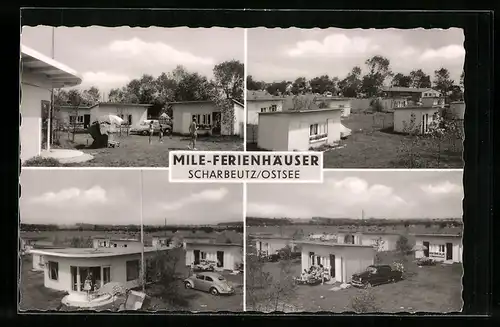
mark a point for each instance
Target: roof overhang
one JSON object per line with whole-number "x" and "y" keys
{"x": 59, "y": 74}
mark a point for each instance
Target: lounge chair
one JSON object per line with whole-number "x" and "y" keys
{"x": 134, "y": 301}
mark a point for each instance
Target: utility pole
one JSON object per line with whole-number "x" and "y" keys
{"x": 143, "y": 275}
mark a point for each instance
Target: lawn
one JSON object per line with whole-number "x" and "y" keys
{"x": 374, "y": 145}
{"x": 428, "y": 289}
{"x": 135, "y": 150}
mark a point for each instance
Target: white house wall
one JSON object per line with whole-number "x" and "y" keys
{"x": 38, "y": 262}
{"x": 298, "y": 139}
{"x": 348, "y": 260}
{"x": 182, "y": 115}
{"x": 254, "y": 107}
{"x": 233, "y": 255}
{"x": 35, "y": 88}
{"x": 343, "y": 104}
{"x": 388, "y": 241}
{"x": 117, "y": 264}
{"x": 273, "y": 132}
{"x": 404, "y": 115}
{"x": 239, "y": 121}
{"x": 457, "y": 251}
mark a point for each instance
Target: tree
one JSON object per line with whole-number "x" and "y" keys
{"x": 378, "y": 71}
{"x": 402, "y": 245}
{"x": 350, "y": 86}
{"x": 419, "y": 79}
{"x": 401, "y": 80}
{"x": 462, "y": 79}
{"x": 193, "y": 87}
{"x": 322, "y": 84}
{"x": 456, "y": 93}
{"x": 442, "y": 81}
{"x": 91, "y": 96}
{"x": 299, "y": 85}
{"x": 253, "y": 85}
{"x": 228, "y": 77}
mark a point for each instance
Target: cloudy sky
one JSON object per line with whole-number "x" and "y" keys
{"x": 381, "y": 194}
{"x": 110, "y": 57}
{"x": 285, "y": 54}
{"x": 113, "y": 197}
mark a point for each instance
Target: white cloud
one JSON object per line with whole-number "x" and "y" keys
{"x": 73, "y": 196}
{"x": 333, "y": 45}
{"x": 211, "y": 195}
{"x": 442, "y": 188}
{"x": 155, "y": 52}
{"x": 356, "y": 191}
{"x": 104, "y": 79}
{"x": 269, "y": 72}
{"x": 449, "y": 52}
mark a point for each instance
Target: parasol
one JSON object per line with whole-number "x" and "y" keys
{"x": 164, "y": 116}
{"x": 110, "y": 119}
{"x": 419, "y": 247}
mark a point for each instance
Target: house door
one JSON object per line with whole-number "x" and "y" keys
{"x": 220, "y": 259}
{"x": 106, "y": 275}
{"x": 74, "y": 278}
{"x": 196, "y": 256}
{"x": 426, "y": 249}
{"x": 332, "y": 265}
{"x": 449, "y": 251}
{"x": 45, "y": 115}
{"x": 86, "y": 121}
{"x": 130, "y": 120}
{"x": 217, "y": 123}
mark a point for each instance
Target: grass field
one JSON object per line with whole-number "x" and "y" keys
{"x": 374, "y": 145}
{"x": 428, "y": 289}
{"x": 135, "y": 150}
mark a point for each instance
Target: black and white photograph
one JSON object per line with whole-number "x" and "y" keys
{"x": 129, "y": 240}
{"x": 364, "y": 241}
{"x": 124, "y": 97}
{"x": 366, "y": 98}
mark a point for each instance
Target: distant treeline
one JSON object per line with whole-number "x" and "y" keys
{"x": 237, "y": 227}
{"x": 453, "y": 222}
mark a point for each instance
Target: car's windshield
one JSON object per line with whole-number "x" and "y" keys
{"x": 372, "y": 270}
{"x": 221, "y": 278}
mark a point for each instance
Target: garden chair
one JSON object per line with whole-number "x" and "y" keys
{"x": 134, "y": 301}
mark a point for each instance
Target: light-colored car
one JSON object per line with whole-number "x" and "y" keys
{"x": 211, "y": 282}
{"x": 143, "y": 127}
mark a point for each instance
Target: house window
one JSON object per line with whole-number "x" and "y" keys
{"x": 53, "y": 270}
{"x": 263, "y": 109}
{"x": 106, "y": 275}
{"x": 318, "y": 132}
{"x": 205, "y": 120}
{"x": 198, "y": 118}
{"x": 132, "y": 270}
{"x": 437, "y": 250}
{"x": 341, "y": 106}
{"x": 203, "y": 255}
{"x": 76, "y": 119}
{"x": 273, "y": 108}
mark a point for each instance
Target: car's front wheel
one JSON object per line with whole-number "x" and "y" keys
{"x": 145, "y": 133}
{"x": 214, "y": 291}
{"x": 188, "y": 285}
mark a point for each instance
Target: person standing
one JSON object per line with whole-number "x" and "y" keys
{"x": 161, "y": 134}
{"x": 193, "y": 131}
{"x": 151, "y": 131}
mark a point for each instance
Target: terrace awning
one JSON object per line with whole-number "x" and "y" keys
{"x": 59, "y": 74}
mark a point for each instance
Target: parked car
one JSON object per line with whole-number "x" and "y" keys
{"x": 210, "y": 282}
{"x": 205, "y": 265}
{"x": 376, "y": 275}
{"x": 273, "y": 257}
{"x": 143, "y": 127}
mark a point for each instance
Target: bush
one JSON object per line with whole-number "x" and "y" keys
{"x": 42, "y": 162}
{"x": 402, "y": 245}
{"x": 364, "y": 302}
